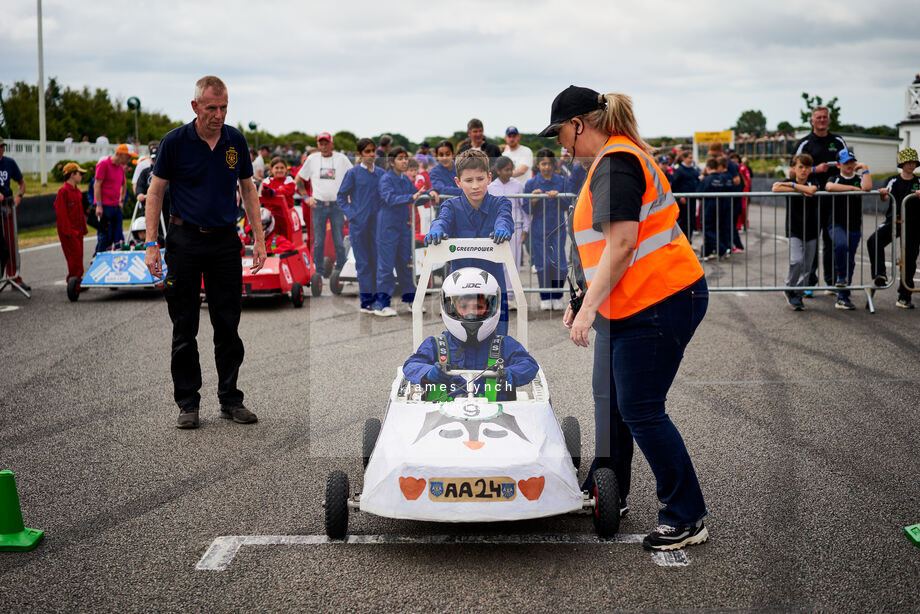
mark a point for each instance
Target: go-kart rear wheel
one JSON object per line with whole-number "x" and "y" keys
{"x": 606, "y": 502}
{"x": 73, "y": 289}
{"x": 316, "y": 285}
{"x": 337, "y": 505}
{"x": 297, "y": 294}
{"x": 371, "y": 432}
{"x": 334, "y": 284}
{"x": 571, "y": 431}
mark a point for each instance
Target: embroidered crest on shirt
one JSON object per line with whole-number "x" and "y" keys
{"x": 232, "y": 158}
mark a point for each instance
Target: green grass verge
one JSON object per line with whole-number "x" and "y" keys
{"x": 43, "y": 235}
{"x": 35, "y": 188}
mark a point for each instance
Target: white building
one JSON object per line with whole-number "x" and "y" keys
{"x": 909, "y": 127}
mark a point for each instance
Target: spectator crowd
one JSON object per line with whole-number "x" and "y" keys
{"x": 374, "y": 194}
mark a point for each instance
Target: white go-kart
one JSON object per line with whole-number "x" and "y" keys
{"x": 469, "y": 459}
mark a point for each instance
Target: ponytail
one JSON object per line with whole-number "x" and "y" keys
{"x": 616, "y": 118}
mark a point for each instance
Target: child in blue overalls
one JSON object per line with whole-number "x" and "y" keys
{"x": 547, "y": 229}
{"x": 359, "y": 199}
{"x": 476, "y": 213}
{"x": 443, "y": 175}
{"x": 394, "y": 234}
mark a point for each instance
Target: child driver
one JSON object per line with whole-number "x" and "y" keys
{"x": 470, "y": 301}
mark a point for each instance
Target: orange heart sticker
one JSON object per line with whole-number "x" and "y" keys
{"x": 532, "y": 488}
{"x": 411, "y": 488}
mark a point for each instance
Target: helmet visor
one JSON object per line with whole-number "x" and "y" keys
{"x": 470, "y": 307}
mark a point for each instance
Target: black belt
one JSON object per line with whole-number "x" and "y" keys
{"x": 178, "y": 221}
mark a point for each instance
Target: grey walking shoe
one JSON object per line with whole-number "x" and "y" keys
{"x": 187, "y": 420}
{"x": 240, "y": 415}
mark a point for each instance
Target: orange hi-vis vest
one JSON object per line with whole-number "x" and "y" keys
{"x": 662, "y": 264}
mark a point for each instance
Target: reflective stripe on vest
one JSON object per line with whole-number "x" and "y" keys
{"x": 662, "y": 263}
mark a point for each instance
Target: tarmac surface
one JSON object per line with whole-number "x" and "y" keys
{"x": 801, "y": 426}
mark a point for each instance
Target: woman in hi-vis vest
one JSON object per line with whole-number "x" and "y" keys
{"x": 645, "y": 296}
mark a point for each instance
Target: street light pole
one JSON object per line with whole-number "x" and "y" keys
{"x": 43, "y": 164}
{"x": 255, "y": 128}
{"x": 134, "y": 103}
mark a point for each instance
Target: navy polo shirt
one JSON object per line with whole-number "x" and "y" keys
{"x": 202, "y": 182}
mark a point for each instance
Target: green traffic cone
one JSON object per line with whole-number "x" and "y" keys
{"x": 913, "y": 533}
{"x": 13, "y": 535}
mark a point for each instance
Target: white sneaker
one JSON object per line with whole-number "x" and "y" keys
{"x": 558, "y": 304}
{"x": 386, "y": 312}
{"x": 546, "y": 305}
{"x": 367, "y": 309}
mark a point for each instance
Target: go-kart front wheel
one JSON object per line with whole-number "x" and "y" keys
{"x": 606, "y": 493}
{"x": 371, "y": 432}
{"x": 316, "y": 284}
{"x": 73, "y": 289}
{"x": 337, "y": 505}
{"x": 334, "y": 283}
{"x": 297, "y": 294}
{"x": 571, "y": 432}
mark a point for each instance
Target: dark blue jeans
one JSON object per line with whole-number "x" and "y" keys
{"x": 846, "y": 244}
{"x": 110, "y": 233}
{"x": 717, "y": 226}
{"x": 332, "y": 212}
{"x": 635, "y": 361}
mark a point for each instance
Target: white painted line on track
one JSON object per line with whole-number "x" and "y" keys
{"x": 223, "y": 549}
{"x": 671, "y": 558}
{"x": 47, "y": 245}
{"x": 795, "y": 382}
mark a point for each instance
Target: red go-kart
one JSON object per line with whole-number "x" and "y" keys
{"x": 286, "y": 272}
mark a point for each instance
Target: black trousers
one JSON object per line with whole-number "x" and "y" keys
{"x": 876, "y": 245}
{"x": 190, "y": 256}
{"x": 826, "y": 205}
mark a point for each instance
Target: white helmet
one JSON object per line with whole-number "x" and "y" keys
{"x": 479, "y": 319}
{"x": 268, "y": 220}
{"x": 138, "y": 225}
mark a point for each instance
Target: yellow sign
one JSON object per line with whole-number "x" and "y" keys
{"x": 723, "y": 136}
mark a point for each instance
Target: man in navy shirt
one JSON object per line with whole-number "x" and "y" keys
{"x": 9, "y": 172}
{"x": 203, "y": 162}
{"x": 824, "y": 147}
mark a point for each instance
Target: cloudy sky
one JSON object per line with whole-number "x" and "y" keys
{"x": 423, "y": 68}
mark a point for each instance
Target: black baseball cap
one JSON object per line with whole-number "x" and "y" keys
{"x": 571, "y": 102}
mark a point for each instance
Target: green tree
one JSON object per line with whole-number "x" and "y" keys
{"x": 785, "y": 127}
{"x": 816, "y": 101}
{"x": 751, "y": 122}
{"x": 345, "y": 140}
{"x": 79, "y": 112}
{"x": 874, "y": 130}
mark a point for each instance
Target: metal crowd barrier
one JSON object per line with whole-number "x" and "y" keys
{"x": 906, "y": 254}
{"x": 760, "y": 266}
{"x": 10, "y": 269}
{"x": 762, "y": 263}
